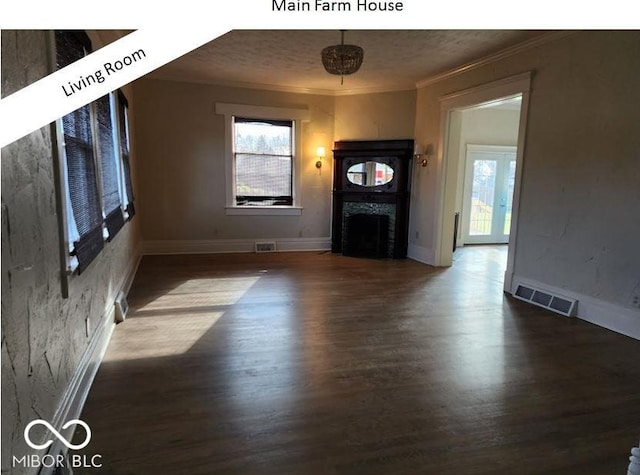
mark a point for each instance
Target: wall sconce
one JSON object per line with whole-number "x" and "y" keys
{"x": 320, "y": 154}
{"x": 423, "y": 155}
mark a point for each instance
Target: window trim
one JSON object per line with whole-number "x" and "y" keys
{"x": 120, "y": 102}
{"x": 65, "y": 212}
{"x": 297, "y": 116}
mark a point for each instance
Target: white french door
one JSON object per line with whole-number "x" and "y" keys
{"x": 488, "y": 194}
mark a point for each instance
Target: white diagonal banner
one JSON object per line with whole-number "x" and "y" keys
{"x": 95, "y": 75}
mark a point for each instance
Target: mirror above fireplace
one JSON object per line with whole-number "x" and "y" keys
{"x": 371, "y": 173}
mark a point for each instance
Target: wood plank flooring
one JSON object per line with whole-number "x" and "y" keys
{"x": 316, "y": 363}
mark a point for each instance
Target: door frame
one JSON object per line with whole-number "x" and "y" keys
{"x": 446, "y": 179}
{"x": 467, "y": 185}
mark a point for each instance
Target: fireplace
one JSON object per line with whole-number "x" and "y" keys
{"x": 366, "y": 235}
{"x": 371, "y": 197}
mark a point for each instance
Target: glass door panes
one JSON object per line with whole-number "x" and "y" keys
{"x": 483, "y": 190}
{"x": 488, "y": 195}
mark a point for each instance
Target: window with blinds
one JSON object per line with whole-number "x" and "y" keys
{"x": 94, "y": 163}
{"x": 263, "y": 157}
{"x": 85, "y": 223}
{"x": 110, "y": 170}
{"x": 123, "y": 124}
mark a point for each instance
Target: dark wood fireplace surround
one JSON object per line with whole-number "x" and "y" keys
{"x": 390, "y": 199}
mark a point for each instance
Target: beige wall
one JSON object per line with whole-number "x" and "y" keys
{"x": 181, "y": 167}
{"x": 490, "y": 127}
{"x": 181, "y": 147}
{"x": 580, "y": 200}
{"x": 382, "y": 116}
{"x": 43, "y": 334}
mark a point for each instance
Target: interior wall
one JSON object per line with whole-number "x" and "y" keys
{"x": 380, "y": 116}
{"x": 43, "y": 334}
{"x": 181, "y": 149}
{"x": 580, "y": 197}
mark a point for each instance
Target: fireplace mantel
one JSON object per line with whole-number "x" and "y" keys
{"x": 380, "y": 197}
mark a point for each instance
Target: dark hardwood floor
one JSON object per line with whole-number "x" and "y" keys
{"x": 316, "y": 363}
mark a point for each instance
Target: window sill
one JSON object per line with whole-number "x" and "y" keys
{"x": 263, "y": 210}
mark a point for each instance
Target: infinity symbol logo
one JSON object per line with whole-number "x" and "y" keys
{"x": 57, "y": 434}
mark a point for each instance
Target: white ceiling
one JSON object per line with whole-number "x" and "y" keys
{"x": 286, "y": 59}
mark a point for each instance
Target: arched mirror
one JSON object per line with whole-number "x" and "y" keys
{"x": 370, "y": 173}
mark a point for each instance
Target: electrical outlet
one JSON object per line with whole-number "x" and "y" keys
{"x": 635, "y": 301}
{"x": 87, "y": 323}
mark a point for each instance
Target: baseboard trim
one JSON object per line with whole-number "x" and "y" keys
{"x": 508, "y": 282}
{"x": 222, "y": 246}
{"x": 78, "y": 388}
{"x": 617, "y": 318}
{"x": 127, "y": 282}
{"x": 77, "y": 391}
{"x": 421, "y": 254}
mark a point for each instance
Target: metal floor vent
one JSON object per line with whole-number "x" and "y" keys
{"x": 542, "y": 298}
{"x": 266, "y": 246}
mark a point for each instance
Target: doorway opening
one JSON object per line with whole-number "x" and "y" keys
{"x": 481, "y": 153}
{"x": 487, "y": 138}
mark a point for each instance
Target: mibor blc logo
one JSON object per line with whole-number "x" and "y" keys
{"x": 57, "y": 434}
{"x": 57, "y": 460}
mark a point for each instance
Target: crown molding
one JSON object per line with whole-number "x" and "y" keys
{"x": 283, "y": 88}
{"x": 508, "y": 86}
{"x": 243, "y": 85}
{"x": 372, "y": 90}
{"x": 492, "y": 58}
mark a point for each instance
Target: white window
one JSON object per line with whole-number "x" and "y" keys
{"x": 263, "y": 155}
{"x": 262, "y": 163}
{"x": 121, "y": 119}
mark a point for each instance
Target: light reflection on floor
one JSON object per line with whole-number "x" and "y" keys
{"x": 477, "y": 355}
{"x": 162, "y": 335}
{"x": 176, "y": 319}
{"x": 201, "y": 292}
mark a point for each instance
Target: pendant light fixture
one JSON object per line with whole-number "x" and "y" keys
{"x": 342, "y": 59}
